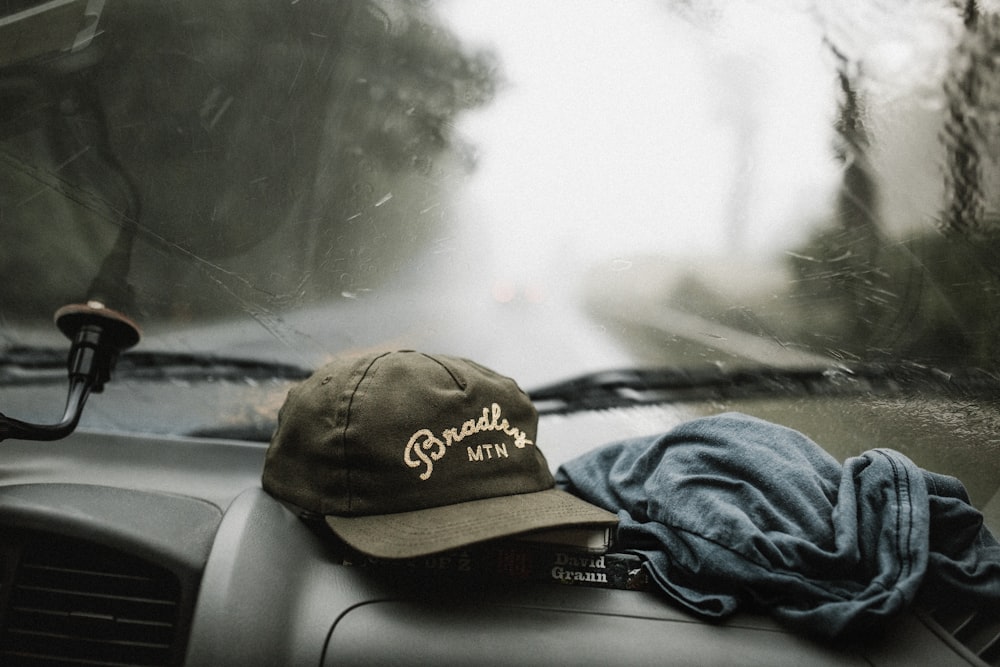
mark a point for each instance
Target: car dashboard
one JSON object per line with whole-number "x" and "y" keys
{"x": 164, "y": 550}
{"x": 160, "y": 547}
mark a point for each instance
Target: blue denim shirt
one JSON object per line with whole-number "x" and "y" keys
{"x": 730, "y": 511}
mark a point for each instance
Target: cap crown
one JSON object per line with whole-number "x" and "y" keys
{"x": 401, "y": 431}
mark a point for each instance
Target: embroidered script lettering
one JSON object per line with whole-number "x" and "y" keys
{"x": 425, "y": 447}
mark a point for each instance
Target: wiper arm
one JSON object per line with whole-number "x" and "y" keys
{"x": 197, "y": 366}
{"x": 632, "y": 387}
{"x": 28, "y": 366}
{"x": 635, "y": 386}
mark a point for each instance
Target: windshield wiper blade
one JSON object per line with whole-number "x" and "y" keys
{"x": 30, "y": 365}
{"x": 632, "y": 387}
{"x": 638, "y": 386}
{"x": 196, "y": 366}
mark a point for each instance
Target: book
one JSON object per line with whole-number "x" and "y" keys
{"x": 577, "y": 557}
{"x": 516, "y": 560}
{"x": 585, "y": 538}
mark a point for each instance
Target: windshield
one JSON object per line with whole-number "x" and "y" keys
{"x": 550, "y": 189}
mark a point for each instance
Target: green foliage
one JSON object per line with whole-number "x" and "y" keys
{"x": 933, "y": 298}
{"x": 275, "y": 151}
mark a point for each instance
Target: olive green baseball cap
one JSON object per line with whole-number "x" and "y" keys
{"x": 407, "y": 454}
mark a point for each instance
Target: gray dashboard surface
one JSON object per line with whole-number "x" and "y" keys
{"x": 272, "y": 594}
{"x": 269, "y": 590}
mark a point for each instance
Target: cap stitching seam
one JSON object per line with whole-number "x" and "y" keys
{"x": 347, "y": 424}
{"x": 461, "y": 382}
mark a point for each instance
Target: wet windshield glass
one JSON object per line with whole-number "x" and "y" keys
{"x": 548, "y": 188}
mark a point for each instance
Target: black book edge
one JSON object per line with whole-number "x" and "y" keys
{"x": 514, "y": 560}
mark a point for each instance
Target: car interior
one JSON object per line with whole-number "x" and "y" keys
{"x": 134, "y": 527}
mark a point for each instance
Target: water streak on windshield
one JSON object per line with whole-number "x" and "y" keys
{"x": 747, "y": 182}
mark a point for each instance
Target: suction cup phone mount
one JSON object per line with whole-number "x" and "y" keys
{"x": 98, "y": 334}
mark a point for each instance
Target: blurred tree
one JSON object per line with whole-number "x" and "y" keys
{"x": 970, "y": 134}
{"x": 275, "y": 149}
{"x": 932, "y": 296}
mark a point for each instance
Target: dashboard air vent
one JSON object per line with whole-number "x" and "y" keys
{"x": 73, "y": 602}
{"x": 977, "y": 630}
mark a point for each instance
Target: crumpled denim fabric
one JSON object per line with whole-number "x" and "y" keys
{"x": 732, "y": 512}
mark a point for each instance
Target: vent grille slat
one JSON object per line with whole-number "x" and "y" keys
{"x": 978, "y": 630}
{"x": 980, "y": 633}
{"x": 991, "y": 654}
{"x": 72, "y": 602}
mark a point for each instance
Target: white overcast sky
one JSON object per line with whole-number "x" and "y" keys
{"x": 624, "y": 114}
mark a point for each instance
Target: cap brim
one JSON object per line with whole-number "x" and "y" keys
{"x": 437, "y": 529}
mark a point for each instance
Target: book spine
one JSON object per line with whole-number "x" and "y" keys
{"x": 525, "y": 563}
